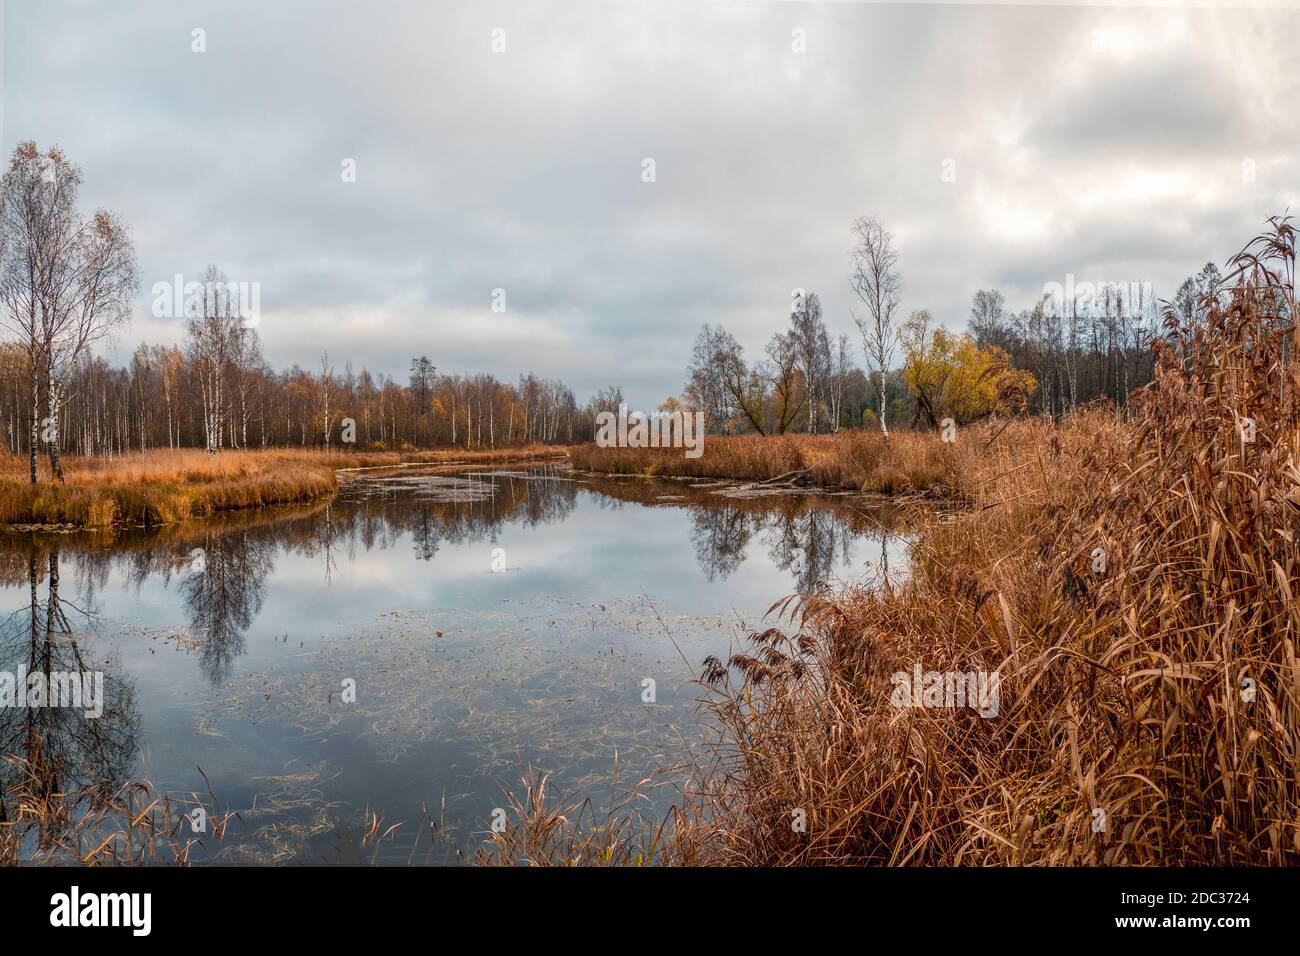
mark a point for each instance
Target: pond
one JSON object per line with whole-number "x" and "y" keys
{"x": 412, "y": 647}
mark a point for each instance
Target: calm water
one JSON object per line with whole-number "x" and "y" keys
{"x": 492, "y": 622}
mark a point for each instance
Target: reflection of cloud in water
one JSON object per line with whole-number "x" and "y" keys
{"x": 552, "y": 686}
{"x": 805, "y": 535}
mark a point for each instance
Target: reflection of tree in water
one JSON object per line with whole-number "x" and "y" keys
{"x": 807, "y": 545}
{"x": 55, "y": 751}
{"x": 424, "y": 534}
{"x": 807, "y": 539}
{"x": 224, "y": 591}
{"x": 222, "y": 564}
{"x": 224, "y": 585}
{"x": 720, "y": 534}
{"x": 539, "y": 497}
{"x": 545, "y": 499}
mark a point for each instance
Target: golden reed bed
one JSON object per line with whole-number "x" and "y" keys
{"x": 858, "y": 460}
{"x": 166, "y": 485}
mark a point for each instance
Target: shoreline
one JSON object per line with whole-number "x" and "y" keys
{"x": 907, "y": 463}
{"x": 167, "y": 486}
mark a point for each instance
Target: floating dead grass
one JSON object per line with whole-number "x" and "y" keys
{"x": 540, "y": 683}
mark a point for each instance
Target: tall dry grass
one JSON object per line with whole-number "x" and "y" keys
{"x": 1148, "y": 710}
{"x": 122, "y": 824}
{"x": 564, "y": 831}
{"x": 858, "y": 460}
{"x": 167, "y": 485}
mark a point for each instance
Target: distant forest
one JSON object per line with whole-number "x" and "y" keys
{"x": 1077, "y": 344}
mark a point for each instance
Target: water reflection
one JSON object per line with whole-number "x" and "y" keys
{"x": 720, "y": 537}
{"x": 53, "y": 750}
{"x": 220, "y": 568}
{"x": 465, "y": 676}
{"x": 224, "y": 585}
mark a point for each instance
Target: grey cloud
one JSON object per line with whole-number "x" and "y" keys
{"x": 1091, "y": 140}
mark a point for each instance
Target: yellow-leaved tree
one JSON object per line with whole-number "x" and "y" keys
{"x": 949, "y": 376}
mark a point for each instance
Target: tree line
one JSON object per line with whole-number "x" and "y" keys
{"x": 1080, "y": 342}
{"x": 177, "y": 397}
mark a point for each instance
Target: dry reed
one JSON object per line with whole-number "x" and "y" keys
{"x": 123, "y": 824}
{"x": 858, "y": 460}
{"x": 1134, "y": 584}
{"x": 167, "y": 485}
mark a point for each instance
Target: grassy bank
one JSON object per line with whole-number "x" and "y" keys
{"x": 166, "y": 485}
{"x": 859, "y": 460}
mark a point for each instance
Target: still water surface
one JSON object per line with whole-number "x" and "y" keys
{"x": 493, "y": 621}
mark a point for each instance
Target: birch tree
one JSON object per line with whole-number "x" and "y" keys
{"x": 875, "y": 281}
{"x": 842, "y": 366}
{"x": 91, "y": 299}
{"x": 812, "y": 352}
{"x": 326, "y": 383}
{"x": 65, "y": 282}
{"x": 28, "y": 207}
{"x": 216, "y": 333}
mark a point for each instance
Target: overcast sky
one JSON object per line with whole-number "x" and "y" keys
{"x": 1111, "y": 143}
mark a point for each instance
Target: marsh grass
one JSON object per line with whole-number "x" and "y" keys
{"x": 859, "y": 460}
{"x": 167, "y": 485}
{"x": 562, "y": 831}
{"x": 1148, "y": 709}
